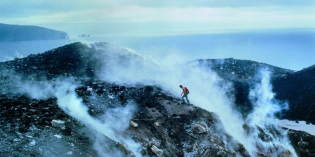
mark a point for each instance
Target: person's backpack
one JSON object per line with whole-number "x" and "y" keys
{"x": 187, "y": 91}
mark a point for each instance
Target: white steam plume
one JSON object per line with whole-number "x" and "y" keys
{"x": 263, "y": 116}
{"x": 113, "y": 123}
{"x": 207, "y": 91}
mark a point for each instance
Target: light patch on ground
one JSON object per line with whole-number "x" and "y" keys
{"x": 302, "y": 126}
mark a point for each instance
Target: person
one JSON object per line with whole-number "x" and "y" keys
{"x": 184, "y": 94}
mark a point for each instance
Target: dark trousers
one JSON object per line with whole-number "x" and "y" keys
{"x": 185, "y": 96}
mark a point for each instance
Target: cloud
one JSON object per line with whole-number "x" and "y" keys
{"x": 157, "y": 17}
{"x": 137, "y": 20}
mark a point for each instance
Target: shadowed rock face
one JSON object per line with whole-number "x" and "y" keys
{"x": 303, "y": 143}
{"x": 299, "y": 90}
{"x": 160, "y": 123}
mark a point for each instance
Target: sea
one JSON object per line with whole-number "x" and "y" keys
{"x": 290, "y": 49}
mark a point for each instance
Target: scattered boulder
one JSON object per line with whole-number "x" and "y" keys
{"x": 199, "y": 129}
{"x": 32, "y": 143}
{"x": 58, "y": 136}
{"x": 133, "y": 124}
{"x": 89, "y": 89}
{"x": 158, "y": 152}
{"x": 58, "y": 123}
{"x": 157, "y": 124}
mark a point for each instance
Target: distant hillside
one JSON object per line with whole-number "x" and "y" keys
{"x": 240, "y": 70}
{"x": 299, "y": 90}
{"x": 9, "y": 33}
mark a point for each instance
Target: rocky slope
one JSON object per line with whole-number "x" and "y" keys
{"x": 47, "y": 125}
{"x": 11, "y": 33}
{"x": 27, "y": 125}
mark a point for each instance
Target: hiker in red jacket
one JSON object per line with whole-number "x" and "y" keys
{"x": 184, "y": 94}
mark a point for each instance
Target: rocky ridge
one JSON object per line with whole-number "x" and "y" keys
{"x": 241, "y": 70}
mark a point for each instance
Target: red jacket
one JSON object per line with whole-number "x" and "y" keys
{"x": 185, "y": 89}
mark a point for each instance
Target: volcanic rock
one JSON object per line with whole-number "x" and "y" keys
{"x": 156, "y": 124}
{"x": 58, "y": 123}
{"x": 158, "y": 152}
{"x": 133, "y": 124}
{"x": 199, "y": 129}
{"x": 303, "y": 143}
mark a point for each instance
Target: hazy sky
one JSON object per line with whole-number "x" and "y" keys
{"x": 162, "y": 17}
